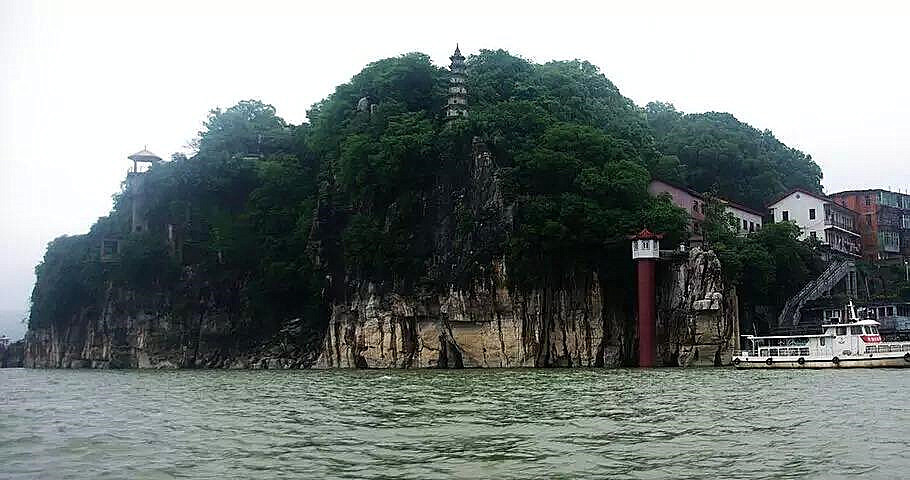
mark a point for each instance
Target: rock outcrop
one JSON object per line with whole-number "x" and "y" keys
{"x": 480, "y": 320}
{"x": 698, "y": 323}
{"x": 494, "y": 326}
{"x": 128, "y": 330}
{"x": 486, "y": 326}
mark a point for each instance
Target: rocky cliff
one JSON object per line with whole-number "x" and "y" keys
{"x": 487, "y": 325}
{"x": 491, "y": 325}
{"x": 481, "y": 319}
{"x": 127, "y": 329}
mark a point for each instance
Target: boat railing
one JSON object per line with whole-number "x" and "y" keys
{"x": 888, "y": 348}
{"x": 778, "y": 352}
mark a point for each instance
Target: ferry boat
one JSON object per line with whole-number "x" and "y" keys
{"x": 854, "y": 343}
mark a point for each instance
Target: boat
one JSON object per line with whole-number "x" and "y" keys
{"x": 853, "y": 343}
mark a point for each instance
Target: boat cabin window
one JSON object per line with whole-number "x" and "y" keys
{"x": 773, "y": 352}
{"x": 856, "y": 330}
{"x": 821, "y": 341}
{"x": 841, "y": 330}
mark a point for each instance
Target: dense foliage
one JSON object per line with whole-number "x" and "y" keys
{"x": 756, "y": 166}
{"x": 383, "y": 193}
{"x": 767, "y": 267}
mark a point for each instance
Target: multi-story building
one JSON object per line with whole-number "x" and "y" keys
{"x": 884, "y": 221}
{"x": 820, "y": 218}
{"x": 747, "y": 219}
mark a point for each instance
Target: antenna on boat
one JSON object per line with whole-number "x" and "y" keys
{"x": 853, "y": 317}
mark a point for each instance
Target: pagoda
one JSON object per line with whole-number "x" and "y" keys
{"x": 457, "y": 104}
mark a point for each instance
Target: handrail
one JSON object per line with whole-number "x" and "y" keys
{"x": 833, "y": 274}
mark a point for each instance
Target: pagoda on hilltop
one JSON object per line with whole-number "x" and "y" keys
{"x": 457, "y": 104}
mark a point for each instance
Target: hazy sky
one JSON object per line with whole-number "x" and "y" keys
{"x": 84, "y": 84}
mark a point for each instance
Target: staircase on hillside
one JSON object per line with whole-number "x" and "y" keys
{"x": 836, "y": 271}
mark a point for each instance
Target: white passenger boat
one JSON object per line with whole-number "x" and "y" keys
{"x": 855, "y": 343}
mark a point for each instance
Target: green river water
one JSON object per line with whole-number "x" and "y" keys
{"x": 501, "y": 424}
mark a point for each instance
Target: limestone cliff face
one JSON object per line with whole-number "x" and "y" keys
{"x": 486, "y": 326}
{"x": 480, "y": 320}
{"x": 129, "y": 330}
{"x": 698, "y": 323}
{"x": 493, "y": 326}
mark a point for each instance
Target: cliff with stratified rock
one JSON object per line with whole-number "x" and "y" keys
{"x": 583, "y": 321}
{"x": 491, "y": 325}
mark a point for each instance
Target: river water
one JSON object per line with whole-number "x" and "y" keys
{"x": 502, "y": 424}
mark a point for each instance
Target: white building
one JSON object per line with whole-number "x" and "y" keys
{"x": 819, "y": 218}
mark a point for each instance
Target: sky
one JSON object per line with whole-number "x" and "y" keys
{"x": 84, "y": 84}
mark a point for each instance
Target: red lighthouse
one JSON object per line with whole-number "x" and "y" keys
{"x": 645, "y": 252}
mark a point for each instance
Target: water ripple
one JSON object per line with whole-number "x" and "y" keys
{"x": 502, "y": 424}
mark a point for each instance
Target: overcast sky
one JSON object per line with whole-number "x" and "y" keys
{"x": 84, "y": 84}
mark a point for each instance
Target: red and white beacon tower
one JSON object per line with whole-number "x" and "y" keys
{"x": 645, "y": 252}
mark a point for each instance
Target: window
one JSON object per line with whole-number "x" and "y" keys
{"x": 889, "y": 241}
{"x": 751, "y": 226}
{"x": 869, "y": 219}
{"x": 890, "y": 312}
{"x": 821, "y": 341}
{"x": 745, "y": 224}
{"x": 868, "y": 330}
{"x": 785, "y": 215}
{"x": 856, "y": 330}
{"x": 868, "y": 199}
{"x": 811, "y": 214}
{"x": 841, "y": 331}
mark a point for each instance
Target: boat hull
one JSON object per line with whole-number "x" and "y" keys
{"x": 877, "y": 361}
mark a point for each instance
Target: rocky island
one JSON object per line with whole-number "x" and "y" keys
{"x": 470, "y": 216}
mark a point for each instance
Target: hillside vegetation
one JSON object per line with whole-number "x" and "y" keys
{"x": 271, "y": 215}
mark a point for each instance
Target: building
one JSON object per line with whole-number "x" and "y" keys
{"x": 747, "y": 219}
{"x": 457, "y": 103}
{"x": 820, "y": 218}
{"x": 884, "y": 221}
